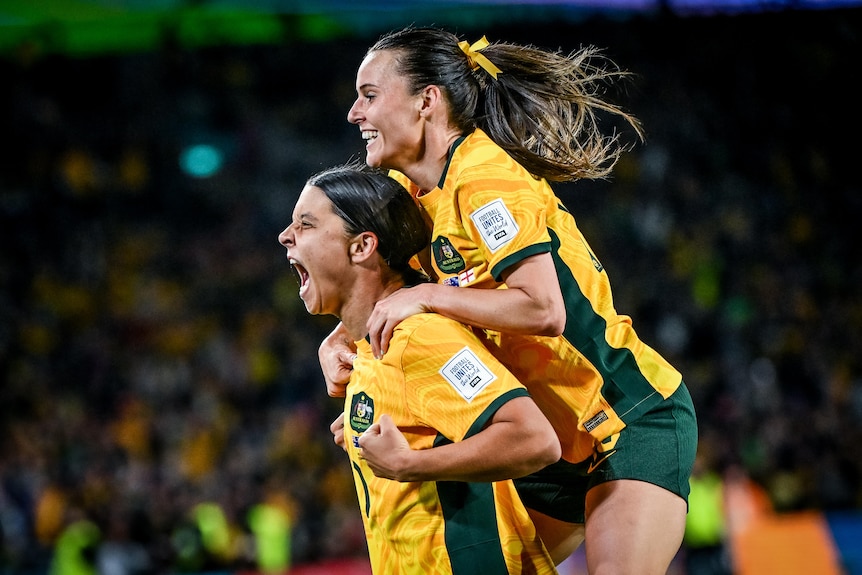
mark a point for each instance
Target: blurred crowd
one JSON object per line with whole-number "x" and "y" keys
{"x": 161, "y": 406}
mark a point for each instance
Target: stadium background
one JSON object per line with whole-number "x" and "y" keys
{"x": 161, "y": 407}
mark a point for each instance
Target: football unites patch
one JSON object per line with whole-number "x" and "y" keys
{"x": 495, "y": 223}
{"x": 467, "y": 374}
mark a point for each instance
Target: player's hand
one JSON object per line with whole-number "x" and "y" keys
{"x": 336, "y": 354}
{"x": 386, "y": 450}
{"x": 391, "y": 311}
{"x": 337, "y": 429}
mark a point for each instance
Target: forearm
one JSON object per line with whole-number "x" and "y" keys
{"x": 531, "y": 302}
{"x": 506, "y": 449}
{"x": 459, "y": 462}
{"x": 506, "y": 310}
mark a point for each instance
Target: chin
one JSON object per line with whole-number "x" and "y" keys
{"x": 371, "y": 162}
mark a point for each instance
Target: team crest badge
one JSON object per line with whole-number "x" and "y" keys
{"x": 361, "y": 412}
{"x": 447, "y": 258}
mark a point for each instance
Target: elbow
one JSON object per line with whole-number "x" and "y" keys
{"x": 552, "y": 323}
{"x": 553, "y": 452}
{"x": 549, "y": 453}
{"x": 552, "y": 317}
{"x": 552, "y": 326}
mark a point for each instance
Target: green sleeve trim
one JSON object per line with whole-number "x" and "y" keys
{"x": 489, "y": 412}
{"x": 486, "y": 415}
{"x": 512, "y": 259}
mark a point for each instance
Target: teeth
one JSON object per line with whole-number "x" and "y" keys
{"x": 369, "y": 134}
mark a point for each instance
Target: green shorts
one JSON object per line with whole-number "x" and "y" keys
{"x": 658, "y": 448}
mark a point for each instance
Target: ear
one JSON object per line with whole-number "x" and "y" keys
{"x": 431, "y": 100}
{"x": 363, "y": 246}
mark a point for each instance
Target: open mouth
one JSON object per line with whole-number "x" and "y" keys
{"x": 301, "y": 275}
{"x": 369, "y": 135}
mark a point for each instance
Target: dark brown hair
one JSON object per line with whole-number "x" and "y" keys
{"x": 369, "y": 200}
{"x": 542, "y": 108}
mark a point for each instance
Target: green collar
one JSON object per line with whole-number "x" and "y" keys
{"x": 455, "y": 144}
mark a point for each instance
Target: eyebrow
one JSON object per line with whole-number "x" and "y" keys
{"x": 307, "y": 216}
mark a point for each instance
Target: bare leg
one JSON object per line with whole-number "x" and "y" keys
{"x": 560, "y": 537}
{"x": 633, "y": 527}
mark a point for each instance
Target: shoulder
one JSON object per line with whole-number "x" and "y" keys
{"x": 428, "y": 337}
{"x": 430, "y": 326}
{"x": 404, "y": 181}
{"x": 479, "y": 159}
{"x": 476, "y": 148}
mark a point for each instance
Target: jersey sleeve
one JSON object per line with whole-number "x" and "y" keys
{"x": 453, "y": 383}
{"x": 504, "y": 214}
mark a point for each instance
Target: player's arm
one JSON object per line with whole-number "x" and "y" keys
{"x": 517, "y": 441}
{"x": 532, "y": 304}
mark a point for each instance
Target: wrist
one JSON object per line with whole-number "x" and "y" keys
{"x": 427, "y": 298}
{"x": 406, "y": 470}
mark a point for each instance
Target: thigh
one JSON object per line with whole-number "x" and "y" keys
{"x": 561, "y": 538}
{"x": 633, "y": 527}
{"x": 639, "y": 484}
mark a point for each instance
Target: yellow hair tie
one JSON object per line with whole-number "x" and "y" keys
{"x": 476, "y": 59}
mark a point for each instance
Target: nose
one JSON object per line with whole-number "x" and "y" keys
{"x": 285, "y": 238}
{"x": 353, "y": 115}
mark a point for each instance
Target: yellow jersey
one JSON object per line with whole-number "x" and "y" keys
{"x": 488, "y": 213}
{"x": 439, "y": 384}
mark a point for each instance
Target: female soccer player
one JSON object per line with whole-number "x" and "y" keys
{"x": 351, "y": 240}
{"x": 475, "y": 133}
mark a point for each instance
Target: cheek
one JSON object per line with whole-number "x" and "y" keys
{"x": 331, "y": 250}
